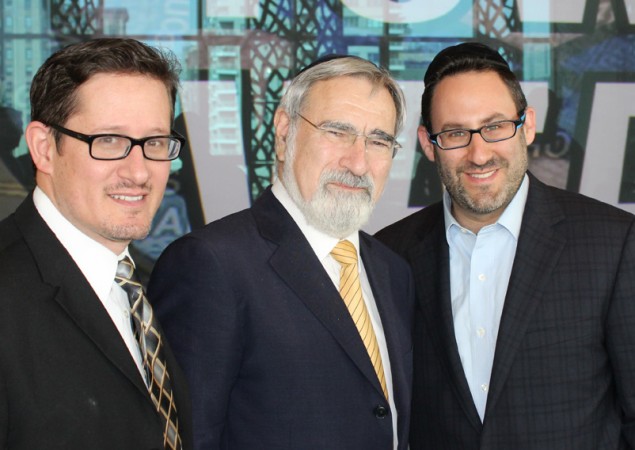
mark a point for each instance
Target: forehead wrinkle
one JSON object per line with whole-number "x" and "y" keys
{"x": 120, "y": 131}
{"x": 495, "y": 117}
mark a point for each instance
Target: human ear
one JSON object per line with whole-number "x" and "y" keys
{"x": 41, "y": 144}
{"x": 281, "y": 122}
{"x": 426, "y": 145}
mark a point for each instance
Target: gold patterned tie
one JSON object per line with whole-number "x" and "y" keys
{"x": 351, "y": 291}
{"x": 150, "y": 343}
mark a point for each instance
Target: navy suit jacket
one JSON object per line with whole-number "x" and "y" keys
{"x": 564, "y": 366}
{"x": 67, "y": 379}
{"x": 272, "y": 355}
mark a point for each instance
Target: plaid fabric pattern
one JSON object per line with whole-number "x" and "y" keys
{"x": 150, "y": 343}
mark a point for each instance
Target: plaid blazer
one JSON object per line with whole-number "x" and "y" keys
{"x": 564, "y": 368}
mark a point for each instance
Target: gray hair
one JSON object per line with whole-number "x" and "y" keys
{"x": 352, "y": 66}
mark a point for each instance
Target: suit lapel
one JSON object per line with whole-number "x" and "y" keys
{"x": 378, "y": 271}
{"x": 430, "y": 261}
{"x": 72, "y": 292}
{"x": 537, "y": 253}
{"x": 297, "y": 265}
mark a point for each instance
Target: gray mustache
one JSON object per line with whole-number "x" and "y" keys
{"x": 349, "y": 179}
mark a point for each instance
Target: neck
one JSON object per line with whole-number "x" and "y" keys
{"x": 474, "y": 221}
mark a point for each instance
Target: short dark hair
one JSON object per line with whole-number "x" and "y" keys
{"x": 468, "y": 57}
{"x": 54, "y": 87}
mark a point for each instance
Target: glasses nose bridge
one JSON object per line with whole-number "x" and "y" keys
{"x": 478, "y": 131}
{"x": 352, "y": 139}
{"x": 137, "y": 142}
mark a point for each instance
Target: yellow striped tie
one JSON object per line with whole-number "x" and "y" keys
{"x": 351, "y": 291}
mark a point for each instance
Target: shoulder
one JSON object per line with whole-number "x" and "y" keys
{"x": 573, "y": 208}
{"x": 376, "y": 253}
{"x": 234, "y": 227}
{"x": 419, "y": 221}
{"x": 21, "y": 277}
{"x": 221, "y": 243}
{"x": 408, "y": 231}
{"x": 9, "y": 233}
{"x": 375, "y": 248}
{"x": 16, "y": 256}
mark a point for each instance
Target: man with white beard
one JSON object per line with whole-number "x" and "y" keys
{"x": 293, "y": 326}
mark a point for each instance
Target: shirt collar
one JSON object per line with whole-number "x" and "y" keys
{"x": 512, "y": 216}
{"x": 321, "y": 243}
{"x": 97, "y": 263}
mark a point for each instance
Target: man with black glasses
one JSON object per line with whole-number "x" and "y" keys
{"x": 525, "y": 322}
{"x": 83, "y": 361}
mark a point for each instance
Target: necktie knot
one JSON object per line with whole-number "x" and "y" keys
{"x": 129, "y": 282}
{"x": 344, "y": 253}
{"x": 125, "y": 268}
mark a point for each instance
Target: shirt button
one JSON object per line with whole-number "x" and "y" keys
{"x": 482, "y": 277}
{"x": 126, "y": 314}
{"x": 484, "y": 387}
{"x": 480, "y": 332}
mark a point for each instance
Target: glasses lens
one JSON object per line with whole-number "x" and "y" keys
{"x": 380, "y": 146}
{"x": 453, "y": 139}
{"x": 498, "y": 131}
{"x": 162, "y": 148}
{"x": 337, "y": 137}
{"x": 110, "y": 147}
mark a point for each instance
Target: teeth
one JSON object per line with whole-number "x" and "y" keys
{"x": 128, "y": 198}
{"x": 483, "y": 175}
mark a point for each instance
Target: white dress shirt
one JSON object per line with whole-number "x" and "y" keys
{"x": 99, "y": 266}
{"x": 480, "y": 267}
{"x": 322, "y": 245}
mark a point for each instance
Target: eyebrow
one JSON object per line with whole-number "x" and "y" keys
{"x": 347, "y": 127}
{"x": 496, "y": 117}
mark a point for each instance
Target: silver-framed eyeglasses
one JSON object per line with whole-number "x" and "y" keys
{"x": 109, "y": 147}
{"x": 379, "y": 144}
{"x": 492, "y": 132}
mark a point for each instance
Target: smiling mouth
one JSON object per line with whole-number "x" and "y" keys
{"x": 128, "y": 198}
{"x": 483, "y": 175}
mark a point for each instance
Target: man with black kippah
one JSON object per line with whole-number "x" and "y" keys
{"x": 525, "y": 315}
{"x": 292, "y": 325}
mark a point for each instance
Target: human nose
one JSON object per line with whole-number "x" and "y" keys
{"x": 479, "y": 151}
{"x": 355, "y": 157}
{"x": 135, "y": 166}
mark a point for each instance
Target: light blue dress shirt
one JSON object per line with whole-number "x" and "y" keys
{"x": 480, "y": 267}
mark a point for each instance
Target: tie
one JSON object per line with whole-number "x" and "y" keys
{"x": 351, "y": 291}
{"x": 147, "y": 334}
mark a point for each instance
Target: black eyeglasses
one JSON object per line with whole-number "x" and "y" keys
{"x": 109, "y": 147}
{"x": 461, "y": 137}
{"x": 380, "y": 145}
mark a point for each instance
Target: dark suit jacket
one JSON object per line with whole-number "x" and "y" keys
{"x": 272, "y": 355}
{"x": 564, "y": 367}
{"x": 67, "y": 380}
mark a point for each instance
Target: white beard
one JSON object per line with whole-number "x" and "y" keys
{"x": 333, "y": 212}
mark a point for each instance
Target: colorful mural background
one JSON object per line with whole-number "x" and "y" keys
{"x": 576, "y": 59}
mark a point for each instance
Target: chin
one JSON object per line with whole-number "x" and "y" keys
{"x": 123, "y": 233}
